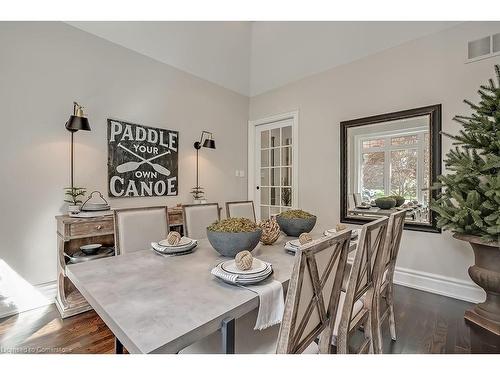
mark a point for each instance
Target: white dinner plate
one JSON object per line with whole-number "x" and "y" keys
{"x": 258, "y": 266}
{"x": 183, "y": 242}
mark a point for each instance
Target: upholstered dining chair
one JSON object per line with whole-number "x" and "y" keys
{"x": 197, "y": 217}
{"x": 358, "y": 305}
{"x": 313, "y": 295}
{"x": 392, "y": 244}
{"x": 243, "y": 209}
{"x": 136, "y": 228}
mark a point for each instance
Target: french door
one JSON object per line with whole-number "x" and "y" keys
{"x": 275, "y": 170}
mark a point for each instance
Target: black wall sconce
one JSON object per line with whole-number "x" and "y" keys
{"x": 77, "y": 121}
{"x": 206, "y": 140}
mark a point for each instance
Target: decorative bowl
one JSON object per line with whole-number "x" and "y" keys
{"x": 229, "y": 244}
{"x": 90, "y": 249}
{"x": 399, "y": 199}
{"x": 296, "y": 226}
{"x": 385, "y": 203}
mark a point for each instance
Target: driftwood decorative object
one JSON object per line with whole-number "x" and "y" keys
{"x": 270, "y": 231}
{"x": 364, "y": 286}
{"x": 313, "y": 294}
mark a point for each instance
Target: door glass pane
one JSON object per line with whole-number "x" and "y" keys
{"x": 372, "y": 175}
{"x": 275, "y": 196}
{"x": 264, "y": 158}
{"x": 286, "y": 176}
{"x": 274, "y": 211}
{"x": 264, "y": 212}
{"x": 404, "y": 173}
{"x": 275, "y": 157}
{"x": 264, "y": 177}
{"x": 264, "y": 195}
{"x": 286, "y": 133}
{"x": 275, "y": 177}
{"x": 286, "y": 156}
{"x": 264, "y": 139}
{"x": 275, "y": 137}
{"x": 286, "y": 196}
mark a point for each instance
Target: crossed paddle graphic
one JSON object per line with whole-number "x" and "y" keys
{"x": 133, "y": 165}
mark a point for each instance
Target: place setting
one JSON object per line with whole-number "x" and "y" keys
{"x": 174, "y": 245}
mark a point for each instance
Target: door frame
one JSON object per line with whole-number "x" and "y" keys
{"x": 252, "y": 156}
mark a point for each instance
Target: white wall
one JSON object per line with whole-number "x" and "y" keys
{"x": 426, "y": 71}
{"x": 218, "y": 51}
{"x": 43, "y": 68}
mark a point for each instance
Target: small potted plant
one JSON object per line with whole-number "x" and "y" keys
{"x": 230, "y": 236}
{"x": 296, "y": 222}
{"x": 74, "y": 198}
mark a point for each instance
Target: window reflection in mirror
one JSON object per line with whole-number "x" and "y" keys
{"x": 388, "y": 167}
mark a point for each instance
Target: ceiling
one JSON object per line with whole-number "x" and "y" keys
{"x": 254, "y": 57}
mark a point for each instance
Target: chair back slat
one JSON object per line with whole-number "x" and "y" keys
{"x": 313, "y": 294}
{"x": 363, "y": 281}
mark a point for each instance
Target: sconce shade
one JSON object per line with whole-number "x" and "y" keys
{"x": 209, "y": 143}
{"x": 76, "y": 123}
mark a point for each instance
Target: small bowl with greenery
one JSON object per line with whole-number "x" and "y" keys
{"x": 296, "y": 222}
{"x": 385, "y": 203}
{"x": 230, "y": 236}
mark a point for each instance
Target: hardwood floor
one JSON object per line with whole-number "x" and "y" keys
{"x": 426, "y": 323}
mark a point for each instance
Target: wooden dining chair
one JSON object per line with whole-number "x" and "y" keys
{"x": 197, "y": 217}
{"x": 243, "y": 209}
{"x": 136, "y": 228}
{"x": 392, "y": 244}
{"x": 313, "y": 295}
{"x": 359, "y": 303}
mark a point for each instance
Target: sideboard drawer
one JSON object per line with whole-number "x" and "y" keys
{"x": 93, "y": 228}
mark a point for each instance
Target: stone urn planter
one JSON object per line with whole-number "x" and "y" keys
{"x": 485, "y": 273}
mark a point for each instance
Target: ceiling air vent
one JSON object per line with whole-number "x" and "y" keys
{"x": 496, "y": 43}
{"x": 483, "y": 48}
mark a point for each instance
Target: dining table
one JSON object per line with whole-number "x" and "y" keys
{"x": 163, "y": 304}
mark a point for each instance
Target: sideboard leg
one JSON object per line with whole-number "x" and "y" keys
{"x": 118, "y": 346}
{"x": 228, "y": 333}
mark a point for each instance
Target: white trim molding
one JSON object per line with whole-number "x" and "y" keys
{"x": 437, "y": 284}
{"x": 47, "y": 290}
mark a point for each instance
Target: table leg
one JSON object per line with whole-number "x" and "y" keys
{"x": 228, "y": 336}
{"x": 118, "y": 346}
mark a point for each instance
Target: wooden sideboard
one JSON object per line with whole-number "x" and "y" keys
{"x": 75, "y": 232}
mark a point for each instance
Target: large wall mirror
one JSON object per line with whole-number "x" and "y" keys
{"x": 388, "y": 163}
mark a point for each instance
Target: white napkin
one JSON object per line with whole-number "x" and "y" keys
{"x": 167, "y": 249}
{"x": 271, "y": 303}
{"x": 218, "y": 272}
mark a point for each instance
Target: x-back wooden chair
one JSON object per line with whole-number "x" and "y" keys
{"x": 392, "y": 243}
{"x": 364, "y": 287}
{"x": 313, "y": 295}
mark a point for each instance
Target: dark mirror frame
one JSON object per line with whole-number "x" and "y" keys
{"x": 434, "y": 112}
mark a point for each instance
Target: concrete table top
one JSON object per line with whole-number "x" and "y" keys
{"x": 157, "y": 304}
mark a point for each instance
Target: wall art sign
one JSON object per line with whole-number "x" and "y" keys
{"x": 142, "y": 161}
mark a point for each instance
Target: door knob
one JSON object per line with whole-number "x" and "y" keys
{"x": 258, "y": 187}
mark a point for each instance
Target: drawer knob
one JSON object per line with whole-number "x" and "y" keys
{"x": 98, "y": 227}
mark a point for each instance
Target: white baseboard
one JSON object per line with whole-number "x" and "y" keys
{"x": 433, "y": 283}
{"x": 48, "y": 290}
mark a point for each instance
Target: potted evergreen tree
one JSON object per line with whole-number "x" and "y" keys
{"x": 469, "y": 204}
